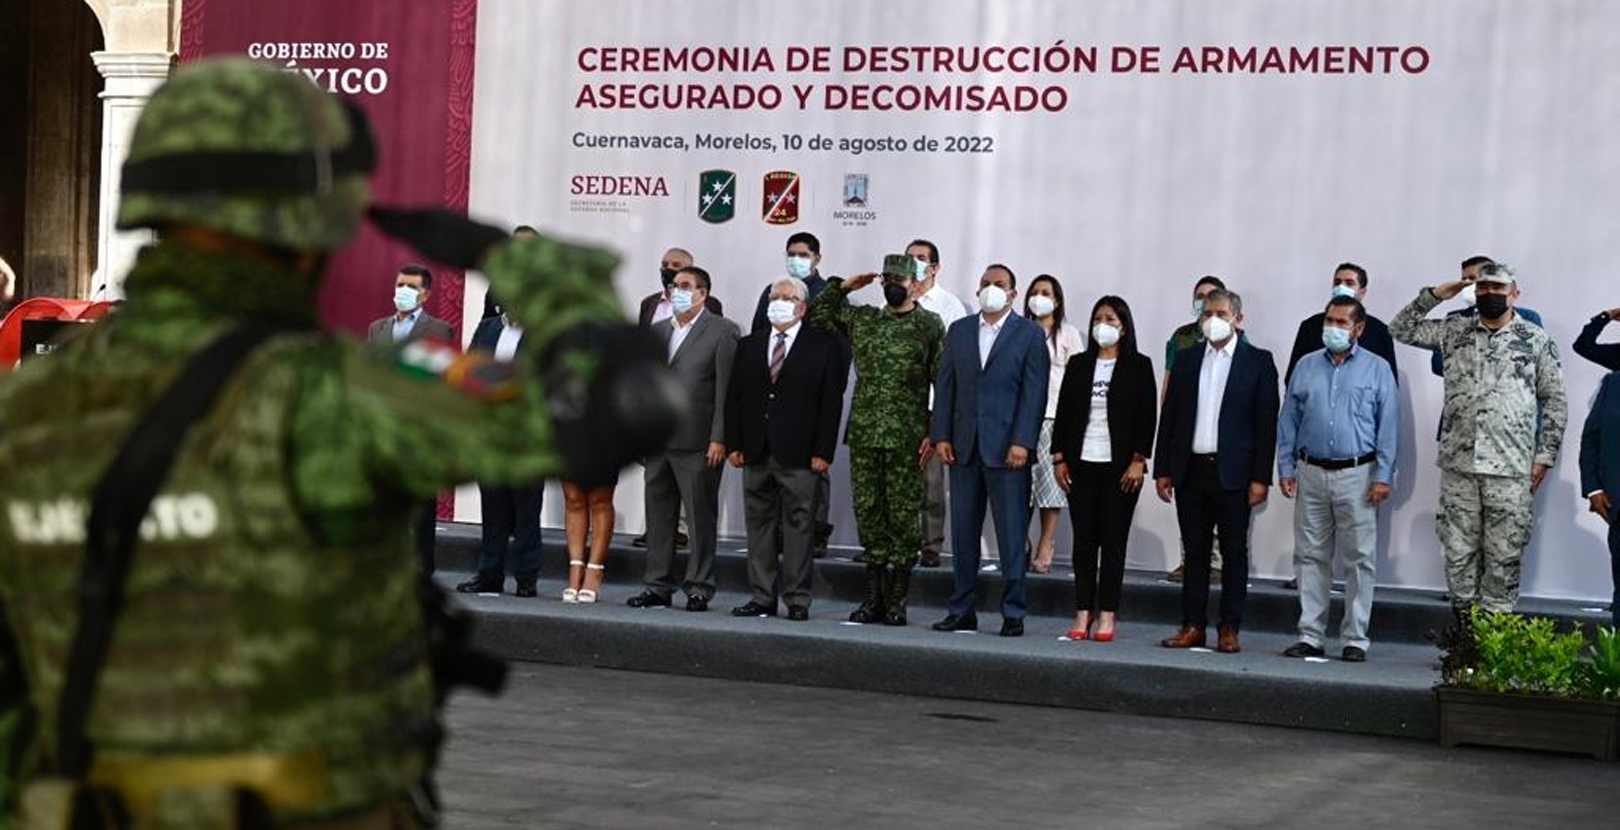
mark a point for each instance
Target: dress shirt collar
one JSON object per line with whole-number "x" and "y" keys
{"x": 792, "y": 332}
{"x": 675, "y": 319}
{"x": 984, "y": 322}
{"x": 1210, "y": 349}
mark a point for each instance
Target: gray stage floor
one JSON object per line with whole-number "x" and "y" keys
{"x": 594, "y": 748}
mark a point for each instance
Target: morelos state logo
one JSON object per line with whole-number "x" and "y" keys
{"x": 781, "y": 197}
{"x": 717, "y": 196}
{"x": 854, "y": 190}
{"x": 857, "y": 209}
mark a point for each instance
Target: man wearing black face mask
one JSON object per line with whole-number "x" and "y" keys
{"x": 655, "y": 306}
{"x": 1494, "y": 450}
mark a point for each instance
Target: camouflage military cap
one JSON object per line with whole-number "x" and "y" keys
{"x": 247, "y": 149}
{"x": 1499, "y": 273}
{"x": 899, "y": 267}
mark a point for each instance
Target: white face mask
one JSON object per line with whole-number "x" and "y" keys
{"x": 781, "y": 312}
{"x": 1344, "y": 291}
{"x": 1216, "y": 330}
{"x": 406, "y": 298}
{"x": 799, "y": 266}
{"x": 922, "y": 269}
{"x": 1469, "y": 295}
{"x": 992, "y": 299}
{"x": 1041, "y": 305}
{"x": 680, "y": 300}
{"x": 1104, "y": 335}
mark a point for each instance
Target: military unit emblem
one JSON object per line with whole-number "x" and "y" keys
{"x": 717, "y": 196}
{"x": 781, "y": 204}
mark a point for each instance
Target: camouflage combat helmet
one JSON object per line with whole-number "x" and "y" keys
{"x": 248, "y": 149}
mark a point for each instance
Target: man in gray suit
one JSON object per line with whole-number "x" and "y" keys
{"x": 410, "y": 320}
{"x": 701, "y": 346}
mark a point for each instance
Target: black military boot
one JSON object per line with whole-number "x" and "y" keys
{"x": 871, "y": 610}
{"x": 899, "y": 587}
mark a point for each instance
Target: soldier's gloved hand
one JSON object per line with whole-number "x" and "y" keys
{"x": 438, "y": 234}
{"x": 611, "y": 397}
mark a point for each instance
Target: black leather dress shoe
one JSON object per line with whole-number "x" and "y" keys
{"x": 1354, "y": 654}
{"x": 1012, "y": 628}
{"x": 1303, "y": 649}
{"x": 527, "y": 589}
{"x": 754, "y": 609}
{"x": 798, "y": 613}
{"x": 952, "y": 622}
{"x": 696, "y": 603}
{"x": 648, "y": 599}
{"x": 480, "y": 586}
{"x": 929, "y": 559}
{"x": 680, "y": 539}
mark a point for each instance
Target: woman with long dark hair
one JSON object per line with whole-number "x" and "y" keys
{"x": 1043, "y": 303}
{"x": 1101, "y": 439}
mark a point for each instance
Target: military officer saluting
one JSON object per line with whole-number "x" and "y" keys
{"x": 896, "y": 351}
{"x": 1494, "y": 450}
{"x": 212, "y": 616}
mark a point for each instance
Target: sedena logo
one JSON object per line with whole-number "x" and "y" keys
{"x": 605, "y": 185}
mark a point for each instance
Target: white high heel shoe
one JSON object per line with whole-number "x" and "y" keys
{"x": 586, "y": 594}
{"x": 572, "y": 594}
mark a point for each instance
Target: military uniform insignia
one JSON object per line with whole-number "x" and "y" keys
{"x": 474, "y": 374}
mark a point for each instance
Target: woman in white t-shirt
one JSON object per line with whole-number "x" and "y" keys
{"x": 1043, "y": 303}
{"x": 1101, "y": 439}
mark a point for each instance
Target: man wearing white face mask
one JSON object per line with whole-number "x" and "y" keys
{"x": 989, "y": 403}
{"x": 410, "y": 321}
{"x": 1349, "y": 280}
{"x": 1217, "y": 442}
{"x": 1337, "y": 442}
{"x": 803, "y": 255}
{"x": 782, "y": 411}
{"x": 933, "y": 297}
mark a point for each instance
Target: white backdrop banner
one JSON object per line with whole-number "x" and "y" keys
{"x": 1124, "y": 147}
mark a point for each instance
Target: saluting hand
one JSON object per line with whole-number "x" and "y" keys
{"x": 1614, "y": 314}
{"x": 1447, "y": 290}
{"x": 860, "y": 281}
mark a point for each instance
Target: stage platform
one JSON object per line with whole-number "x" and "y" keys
{"x": 1388, "y": 695}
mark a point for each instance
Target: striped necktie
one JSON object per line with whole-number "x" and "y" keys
{"x": 777, "y": 355}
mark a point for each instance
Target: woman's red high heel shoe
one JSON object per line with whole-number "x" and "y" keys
{"x": 1103, "y": 636}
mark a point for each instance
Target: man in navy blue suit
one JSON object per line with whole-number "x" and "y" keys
{"x": 1217, "y": 442}
{"x": 1600, "y": 470}
{"x": 988, "y": 403}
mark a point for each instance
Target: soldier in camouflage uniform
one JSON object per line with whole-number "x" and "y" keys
{"x": 270, "y": 665}
{"x": 1494, "y": 451}
{"x": 897, "y": 351}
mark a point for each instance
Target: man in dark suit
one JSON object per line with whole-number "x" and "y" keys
{"x": 1217, "y": 442}
{"x": 989, "y": 401}
{"x": 782, "y": 410}
{"x": 1600, "y": 470}
{"x": 1606, "y": 355}
{"x": 655, "y": 307}
{"x": 510, "y": 510}
{"x": 804, "y": 263}
{"x": 701, "y": 347}
{"x": 1349, "y": 280}
{"x": 413, "y": 285}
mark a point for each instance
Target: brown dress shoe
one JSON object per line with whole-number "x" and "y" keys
{"x": 1228, "y": 642}
{"x": 1187, "y": 637}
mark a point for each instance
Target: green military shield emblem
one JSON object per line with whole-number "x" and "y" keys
{"x": 717, "y": 196}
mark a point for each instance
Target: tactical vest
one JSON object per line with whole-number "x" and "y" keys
{"x": 242, "y": 637}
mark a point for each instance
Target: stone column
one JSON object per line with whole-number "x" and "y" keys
{"x": 131, "y": 78}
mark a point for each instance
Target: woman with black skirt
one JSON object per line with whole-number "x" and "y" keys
{"x": 1102, "y": 436}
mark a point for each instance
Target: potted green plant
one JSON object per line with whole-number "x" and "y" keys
{"x": 1515, "y": 681}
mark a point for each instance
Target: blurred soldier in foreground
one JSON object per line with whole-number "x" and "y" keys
{"x": 212, "y": 613}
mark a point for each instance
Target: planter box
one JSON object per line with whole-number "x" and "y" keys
{"x": 1586, "y": 727}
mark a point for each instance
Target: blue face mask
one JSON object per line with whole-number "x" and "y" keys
{"x": 406, "y": 298}
{"x": 799, "y": 266}
{"x": 1336, "y": 340}
{"x": 681, "y": 300}
{"x": 1344, "y": 291}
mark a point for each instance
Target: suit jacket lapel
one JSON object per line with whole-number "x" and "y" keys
{"x": 698, "y": 327}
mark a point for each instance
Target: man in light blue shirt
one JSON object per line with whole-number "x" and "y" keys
{"x": 1337, "y": 439}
